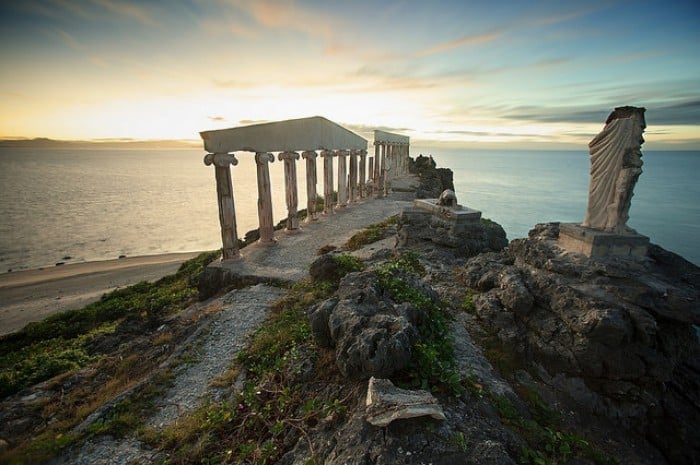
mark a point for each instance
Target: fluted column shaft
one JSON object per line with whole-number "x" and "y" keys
{"x": 383, "y": 171}
{"x": 352, "y": 177}
{"x": 342, "y": 178}
{"x": 327, "y": 156}
{"x": 224, "y": 194}
{"x": 290, "y": 185}
{"x": 267, "y": 231}
{"x": 311, "y": 195}
{"x": 363, "y": 173}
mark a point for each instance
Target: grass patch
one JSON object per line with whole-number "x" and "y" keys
{"x": 59, "y": 343}
{"x": 547, "y": 442}
{"x": 433, "y": 364}
{"x": 373, "y": 233}
{"x": 273, "y": 410}
{"x": 468, "y": 302}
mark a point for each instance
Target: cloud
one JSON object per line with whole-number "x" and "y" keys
{"x": 69, "y": 40}
{"x": 129, "y": 10}
{"x": 216, "y": 118}
{"x": 669, "y": 114}
{"x": 466, "y": 41}
{"x": 680, "y": 113}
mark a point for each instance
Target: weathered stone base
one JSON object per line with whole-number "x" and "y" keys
{"x": 457, "y": 216}
{"x": 460, "y": 229}
{"x": 594, "y": 243}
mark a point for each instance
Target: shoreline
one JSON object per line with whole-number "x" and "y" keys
{"x": 32, "y": 295}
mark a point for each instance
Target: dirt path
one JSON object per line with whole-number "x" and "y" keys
{"x": 242, "y": 312}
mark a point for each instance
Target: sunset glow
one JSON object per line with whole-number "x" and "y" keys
{"x": 514, "y": 74}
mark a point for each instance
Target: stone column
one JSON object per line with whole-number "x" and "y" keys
{"x": 377, "y": 169}
{"x": 382, "y": 171}
{"x": 406, "y": 157}
{"x": 290, "y": 185}
{"x": 389, "y": 163}
{"x": 224, "y": 194}
{"x": 327, "y": 156}
{"x": 311, "y": 196}
{"x": 267, "y": 229}
{"x": 352, "y": 183}
{"x": 363, "y": 173}
{"x": 342, "y": 179}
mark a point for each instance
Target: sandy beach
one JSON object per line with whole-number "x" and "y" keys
{"x": 32, "y": 295}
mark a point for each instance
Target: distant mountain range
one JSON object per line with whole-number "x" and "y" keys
{"x": 42, "y": 142}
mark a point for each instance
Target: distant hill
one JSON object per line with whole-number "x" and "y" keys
{"x": 42, "y": 142}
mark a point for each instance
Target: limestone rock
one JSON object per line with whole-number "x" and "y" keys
{"x": 616, "y": 335}
{"x": 371, "y": 334}
{"x": 386, "y": 403}
{"x": 433, "y": 180}
{"x": 452, "y": 228}
{"x": 323, "y": 268}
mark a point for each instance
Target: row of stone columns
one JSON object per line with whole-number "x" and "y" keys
{"x": 350, "y": 188}
{"x": 390, "y": 161}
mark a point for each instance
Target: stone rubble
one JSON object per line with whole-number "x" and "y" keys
{"x": 386, "y": 403}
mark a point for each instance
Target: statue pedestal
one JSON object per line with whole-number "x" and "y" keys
{"x": 457, "y": 215}
{"x": 596, "y": 243}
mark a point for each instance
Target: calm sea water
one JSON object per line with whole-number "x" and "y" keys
{"x": 100, "y": 204}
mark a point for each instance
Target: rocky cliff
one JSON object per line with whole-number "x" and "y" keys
{"x": 597, "y": 360}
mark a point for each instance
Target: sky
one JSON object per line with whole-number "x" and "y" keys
{"x": 482, "y": 74}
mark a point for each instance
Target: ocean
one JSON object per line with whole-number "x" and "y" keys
{"x": 77, "y": 205}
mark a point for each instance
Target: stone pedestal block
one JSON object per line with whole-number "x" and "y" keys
{"x": 596, "y": 243}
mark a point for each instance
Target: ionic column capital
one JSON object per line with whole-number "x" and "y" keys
{"x": 262, "y": 158}
{"x": 362, "y": 152}
{"x": 309, "y": 154}
{"x": 288, "y": 156}
{"x": 327, "y": 153}
{"x": 221, "y": 160}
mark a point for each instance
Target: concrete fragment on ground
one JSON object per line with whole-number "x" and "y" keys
{"x": 386, "y": 403}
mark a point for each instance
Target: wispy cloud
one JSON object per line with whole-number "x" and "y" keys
{"x": 671, "y": 113}
{"x": 134, "y": 11}
{"x": 466, "y": 41}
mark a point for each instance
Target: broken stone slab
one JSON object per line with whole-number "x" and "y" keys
{"x": 386, "y": 403}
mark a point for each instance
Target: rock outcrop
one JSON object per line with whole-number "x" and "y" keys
{"x": 371, "y": 334}
{"x": 433, "y": 180}
{"x": 614, "y": 335}
{"x": 419, "y": 228}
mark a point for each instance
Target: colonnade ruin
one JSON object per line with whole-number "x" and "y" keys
{"x": 307, "y": 139}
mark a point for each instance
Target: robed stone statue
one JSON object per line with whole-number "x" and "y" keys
{"x": 616, "y": 163}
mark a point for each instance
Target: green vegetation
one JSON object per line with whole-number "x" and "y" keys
{"x": 273, "y": 409}
{"x": 373, "y": 233}
{"x": 433, "y": 363}
{"x": 60, "y": 343}
{"x": 468, "y": 302}
{"x": 547, "y": 442}
{"x": 65, "y": 342}
{"x": 346, "y": 264}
